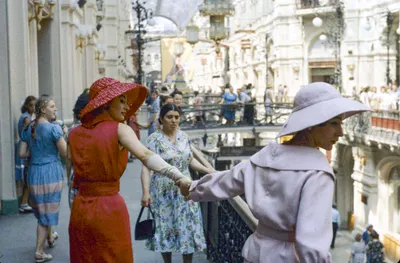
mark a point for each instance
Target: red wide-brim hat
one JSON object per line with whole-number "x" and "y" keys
{"x": 105, "y": 90}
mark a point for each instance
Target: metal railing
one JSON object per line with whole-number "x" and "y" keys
{"x": 227, "y": 224}
{"x": 209, "y": 116}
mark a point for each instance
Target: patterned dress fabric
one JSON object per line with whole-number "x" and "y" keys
{"x": 179, "y": 225}
{"x": 99, "y": 227}
{"x": 357, "y": 252}
{"x": 374, "y": 252}
{"x": 19, "y": 163}
{"x": 229, "y": 112}
{"x": 45, "y": 174}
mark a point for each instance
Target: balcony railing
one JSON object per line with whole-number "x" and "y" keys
{"x": 380, "y": 127}
{"x": 212, "y": 115}
{"x": 305, "y": 4}
{"x": 227, "y": 225}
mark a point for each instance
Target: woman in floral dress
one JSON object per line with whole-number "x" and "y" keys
{"x": 179, "y": 226}
{"x": 375, "y": 249}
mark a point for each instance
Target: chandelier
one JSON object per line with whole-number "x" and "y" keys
{"x": 217, "y": 10}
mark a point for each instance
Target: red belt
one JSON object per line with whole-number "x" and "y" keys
{"x": 98, "y": 188}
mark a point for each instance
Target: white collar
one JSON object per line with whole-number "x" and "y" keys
{"x": 292, "y": 158}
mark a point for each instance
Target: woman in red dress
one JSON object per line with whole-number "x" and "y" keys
{"x": 99, "y": 227}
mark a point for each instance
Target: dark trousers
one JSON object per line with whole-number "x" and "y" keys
{"x": 334, "y": 229}
{"x": 248, "y": 114}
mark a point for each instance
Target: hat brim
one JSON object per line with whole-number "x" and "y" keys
{"x": 319, "y": 113}
{"x": 135, "y": 94}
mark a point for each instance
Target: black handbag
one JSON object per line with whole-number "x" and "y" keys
{"x": 145, "y": 229}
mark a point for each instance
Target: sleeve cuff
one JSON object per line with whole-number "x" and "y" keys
{"x": 193, "y": 185}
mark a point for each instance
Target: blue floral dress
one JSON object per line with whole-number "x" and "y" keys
{"x": 179, "y": 225}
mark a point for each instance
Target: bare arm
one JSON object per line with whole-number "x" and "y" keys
{"x": 200, "y": 157}
{"x": 23, "y": 151}
{"x": 146, "y": 174}
{"x": 197, "y": 166}
{"x": 27, "y": 121}
{"x": 62, "y": 147}
{"x": 128, "y": 139}
{"x": 68, "y": 164}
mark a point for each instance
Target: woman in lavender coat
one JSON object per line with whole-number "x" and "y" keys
{"x": 288, "y": 187}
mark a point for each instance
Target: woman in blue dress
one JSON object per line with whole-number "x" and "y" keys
{"x": 21, "y": 165}
{"x": 43, "y": 141}
{"x": 229, "y": 111}
{"x": 179, "y": 225}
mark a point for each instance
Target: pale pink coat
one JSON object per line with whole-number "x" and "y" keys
{"x": 289, "y": 189}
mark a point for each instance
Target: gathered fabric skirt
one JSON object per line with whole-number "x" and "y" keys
{"x": 99, "y": 230}
{"x": 179, "y": 224}
{"x": 45, "y": 186}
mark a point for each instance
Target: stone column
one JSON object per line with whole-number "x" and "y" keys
{"x": 109, "y": 34}
{"x": 49, "y": 63}
{"x": 13, "y": 88}
{"x": 90, "y": 54}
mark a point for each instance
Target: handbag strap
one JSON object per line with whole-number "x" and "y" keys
{"x": 141, "y": 212}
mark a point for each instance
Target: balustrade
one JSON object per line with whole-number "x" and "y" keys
{"x": 381, "y": 127}
{"x": 212, "y": 114}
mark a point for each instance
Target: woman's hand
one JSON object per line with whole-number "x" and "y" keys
{"x": 184, "y": 185}
{"x": 146, "y": 199}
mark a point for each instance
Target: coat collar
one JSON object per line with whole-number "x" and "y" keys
{"x": 291, "y": 158}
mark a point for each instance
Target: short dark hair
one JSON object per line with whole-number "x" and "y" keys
{"x": 155, "y": 91}
{"x": 358, "y": 237}
{"x": 80, "y": 103}
{"x": 166, "y": 108}
{"x": 374, "y": 235}
{"x": 177, "y": 92}
{"x": 196, "y": 93}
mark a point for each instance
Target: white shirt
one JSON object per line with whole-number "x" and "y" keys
{"x": 244, "y": 97}
{"x": 335, "y": 216}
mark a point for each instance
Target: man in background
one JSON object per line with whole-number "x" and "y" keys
{"x": 335, "y": 223}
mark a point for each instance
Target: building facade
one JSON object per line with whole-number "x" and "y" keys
{"x": 59, "y": 49}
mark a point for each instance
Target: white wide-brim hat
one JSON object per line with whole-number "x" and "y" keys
{"x": 317, "y": 103}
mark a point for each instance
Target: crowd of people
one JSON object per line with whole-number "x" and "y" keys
{"x": 291, "y": 200}
{"x": 367, "y": 247}
{"x": 386, "y": 99}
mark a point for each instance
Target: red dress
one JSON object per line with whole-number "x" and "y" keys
{"x": 99, "y": 228}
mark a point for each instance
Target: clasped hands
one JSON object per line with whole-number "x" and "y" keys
{"x": 184, "y": 185}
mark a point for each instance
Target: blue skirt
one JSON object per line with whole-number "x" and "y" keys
{"x": 19, "y": 164}
{"x": 45, "y": 185}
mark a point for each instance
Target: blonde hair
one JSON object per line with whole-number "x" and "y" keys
{"x": 41, "y": 103}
